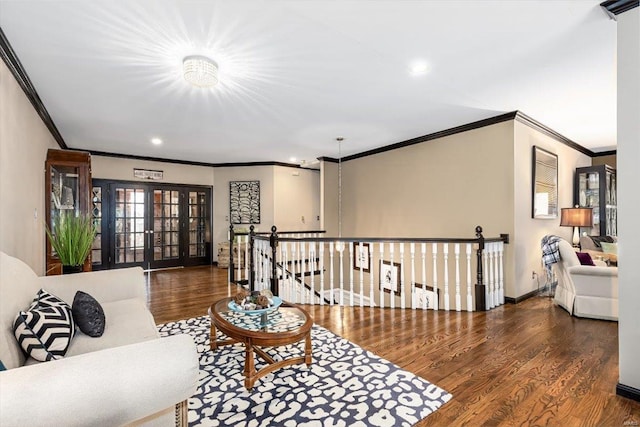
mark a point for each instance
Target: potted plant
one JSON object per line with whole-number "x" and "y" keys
{"x": 71, "y": 238}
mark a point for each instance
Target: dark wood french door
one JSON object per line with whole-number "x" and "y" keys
{"x": 151, "y": 225}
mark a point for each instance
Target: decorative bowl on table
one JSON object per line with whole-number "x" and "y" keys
{"x": 275, "y": 303}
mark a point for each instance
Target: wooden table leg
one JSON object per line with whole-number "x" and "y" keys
{"x": 213, "y": 342}
{"x": 307, "y": 349}
{"x": 249, "y": 366}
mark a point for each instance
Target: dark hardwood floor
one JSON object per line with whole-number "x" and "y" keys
{"x": 529, "y": 364}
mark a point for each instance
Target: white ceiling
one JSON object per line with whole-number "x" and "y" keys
{"x": 295, "y": 74}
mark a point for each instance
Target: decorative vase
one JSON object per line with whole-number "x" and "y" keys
{"x": 71, "y": 269}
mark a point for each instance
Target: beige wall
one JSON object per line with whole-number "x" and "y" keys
{"x": 628, "y": 195}
{"x": 445, "y": 187}
{"x": 24, "y": 141}
{"x": 528, "y": 231}
{"x": 174, "y": 173}
{"x": 296, "y": 199}
{"x": 223, "y": 175}
{"x": 329, "y": 197}
{"x": 440, "y": 188}
{"x": 605, "y": 160}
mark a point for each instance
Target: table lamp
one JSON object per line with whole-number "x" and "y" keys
{"x": 576, "y": 217}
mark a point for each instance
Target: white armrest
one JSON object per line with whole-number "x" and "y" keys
{"x": 109, "y": 387}
{"x": 104, "y": 286}
{"x": 589, "y": 270}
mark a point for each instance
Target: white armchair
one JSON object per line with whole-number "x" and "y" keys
{"x": 585, "y": 291}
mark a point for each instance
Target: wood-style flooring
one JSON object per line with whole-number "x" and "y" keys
{"x": 529, "y": 364}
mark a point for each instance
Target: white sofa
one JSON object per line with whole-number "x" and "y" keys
{"x": 583, "y": 290}
{"x": 128, "y": 376}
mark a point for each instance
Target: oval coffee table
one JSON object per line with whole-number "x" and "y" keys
{"x": 286, "y": 325}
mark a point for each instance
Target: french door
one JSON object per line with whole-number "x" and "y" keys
{"x": 151, "y": 225}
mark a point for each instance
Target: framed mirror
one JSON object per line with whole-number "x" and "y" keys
{"x": 544, "y": 200}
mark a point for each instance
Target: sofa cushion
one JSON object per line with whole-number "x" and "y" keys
{"x": 127, "y": 322}
{"x": 609, "y": 248}
{"x": 44, "y": 333}
{"x": 88, "y": 314}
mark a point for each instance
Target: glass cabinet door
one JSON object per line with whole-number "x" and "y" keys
{"x": 595, "y": 187}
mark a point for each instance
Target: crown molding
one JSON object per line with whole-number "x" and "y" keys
{"x": 605, "y": 153}
{"x": 616, "y": 7}
{"x": 523, "y": 118}
{"x": 15, "y": 66}
{"x": 188, "y": 162}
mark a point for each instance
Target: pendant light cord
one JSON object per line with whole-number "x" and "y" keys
{"x": 339, "y": 139}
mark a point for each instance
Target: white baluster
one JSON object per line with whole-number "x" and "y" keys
{"x": 492, "y": 284}
{"x": 351, "y": 274}
{"x": 412, "y": 251}
{"x": 340, "y": 254}
{"x": 434, "y": 251}
{"x": 284, "y": 288}
{"x": 360, "y": 251}
{"x": 456, "y": 250}
{"x": 469, "y": 293}
{"x": 331, "y": 275}
{"x": 445, "y": 252}
{"x": 423, "y": 256}
{"x": 501, "y": 253}
{"x": 371, "y": 269}
{"x": 403, "y": 291}
{"x": 312, "y": 283}
{"x": 303, "y": 269}
{"x": 381, "y": 290}
{"x": 392, "y": 296}
{"x": 321, "y": 268}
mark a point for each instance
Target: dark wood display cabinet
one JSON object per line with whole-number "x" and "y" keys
{"x": 595, "y": 187}
{"x": 67, "y": 188}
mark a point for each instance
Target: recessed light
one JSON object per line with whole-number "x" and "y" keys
{"x": 156, "y": 141}
{"x": 419, "y": 68}
{"x": 292, "y": 159}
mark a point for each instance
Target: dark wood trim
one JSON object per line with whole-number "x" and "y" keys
{"x": 510, "y": 300}
{"x": 616, "y": 7}
{"x": 524, "y": 119}
{"x": 15, "y": 66}
{"x": 628, "y": 392}
{"x": 191, "y": 163}
{"x": 513, "y": 115}
{"x": 605, "y": 153}
{"x": 440, "y": 134}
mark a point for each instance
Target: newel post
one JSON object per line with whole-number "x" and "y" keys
{"x": 481, "y": 304}
{"x": 252, "y": 266}
{"x": 232, "y": 238}
{"x": 273, "y": 242}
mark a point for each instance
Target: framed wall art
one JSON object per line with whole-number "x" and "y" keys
{"x": 544, "y": 200}
{"x": 425, "y": 296}
{"x": 361, "y": 260}
{"x": 244, "y": 202}
{"x": 390, "y": 277}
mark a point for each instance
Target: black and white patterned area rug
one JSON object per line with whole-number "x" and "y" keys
{"x": 345, "y": 386}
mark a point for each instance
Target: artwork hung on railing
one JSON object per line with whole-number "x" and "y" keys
{"x": 244, "y": 202}
{"x": 390, "y": 277}
{"x": 361, "y": 260}
{"x": 545, "y": 184}
{"x": 425, "y": 296}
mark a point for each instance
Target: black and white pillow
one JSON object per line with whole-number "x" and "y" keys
{"x": 45, "y": 330}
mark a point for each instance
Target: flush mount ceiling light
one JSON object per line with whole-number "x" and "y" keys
{"x": 156, "y": 141}
{"x": 200, "y": 71}
{"x": 418, "y": 68}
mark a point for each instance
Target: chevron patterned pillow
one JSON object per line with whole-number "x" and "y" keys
{"x": 45, "y": 330}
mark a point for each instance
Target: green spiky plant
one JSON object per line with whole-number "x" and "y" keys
{"x": 72, "y": 237}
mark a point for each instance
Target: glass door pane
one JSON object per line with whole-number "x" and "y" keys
{"x": 166, "y": 247}
{"x": 129, "y": 226}
{"x": 197, "y": 224}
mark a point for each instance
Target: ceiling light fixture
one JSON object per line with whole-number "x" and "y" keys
{"x": 200, "y": 71}
{"x": 419, "y": 68}
{"x": 156, "y": 141}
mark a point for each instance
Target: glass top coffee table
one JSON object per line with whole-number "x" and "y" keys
{"x": 287, "y": 324}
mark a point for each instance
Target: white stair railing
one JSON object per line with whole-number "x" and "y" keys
{"x": 376, "y": 272}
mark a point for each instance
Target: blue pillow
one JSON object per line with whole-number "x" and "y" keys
{"x": 2, "y": 368}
